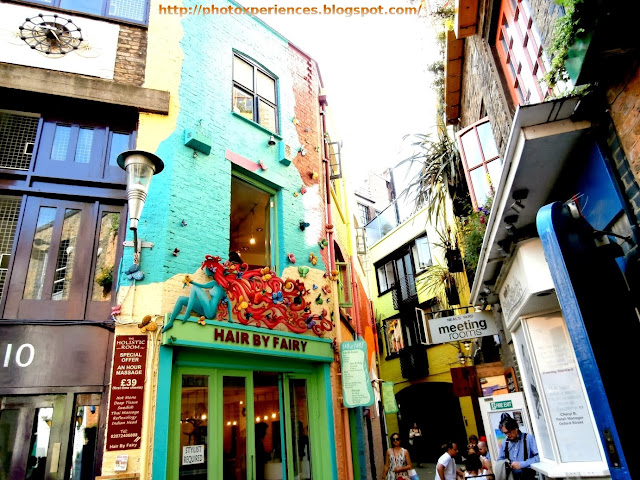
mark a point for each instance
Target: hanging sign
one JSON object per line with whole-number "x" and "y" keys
{"x": 356, "y": 384}
{"x": 389, "y": 398}
{"x": 462, "y": 327}
{"x": 124, "y": 430}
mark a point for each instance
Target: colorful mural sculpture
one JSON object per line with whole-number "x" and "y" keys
{"x": 258, "y": 297}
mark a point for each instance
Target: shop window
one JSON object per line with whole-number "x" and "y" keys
{"x": 128, "y": 10}
{"x": 254, "y": 93}
{"x": 481, "y": 161}
{"x": 85, "y": 436}
{"x": 194, "y": 421}
{"x": 252, "y": 222}
{"x": 9, "y": 214}
{"x": 393, "y": 334}
{"x": 17, "y": 137}
{"x": 386, "y": 277}
{"x": 519, "y": 47}
{"x": 65, "y": 257}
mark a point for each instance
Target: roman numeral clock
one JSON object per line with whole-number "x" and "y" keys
{"x": 51, "y": 34}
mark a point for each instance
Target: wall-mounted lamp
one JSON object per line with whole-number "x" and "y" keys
{"x": 517, "y": 206}
{"x": 518, "y": 196}
{"x": 140, "y": 167}
{"x": 511, "y": 228}
{"x": 272, "y": 141}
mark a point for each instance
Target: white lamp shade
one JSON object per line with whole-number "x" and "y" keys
{"x": 140, "y": 167}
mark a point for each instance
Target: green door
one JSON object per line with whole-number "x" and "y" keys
{"x": 241, "y": 425}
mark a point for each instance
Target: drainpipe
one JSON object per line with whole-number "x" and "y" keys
{"x": 332, "y": 266}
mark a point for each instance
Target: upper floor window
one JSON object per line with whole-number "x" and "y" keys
{"x": 363, "y": 210}
{"x": 386, "y": 277}
{"x": 519, "y": 47}
{"x": 254, "y": 93}
{"x": 395, "y": 340}
{"x": 129, "y": 10}
{"x": 481, "y": 161}
{"x": 421, "y": 253}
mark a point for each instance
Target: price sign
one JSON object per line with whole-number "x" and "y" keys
{"x": 127, "y": 392}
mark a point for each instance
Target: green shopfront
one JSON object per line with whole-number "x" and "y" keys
{"x": 241, "y": 402}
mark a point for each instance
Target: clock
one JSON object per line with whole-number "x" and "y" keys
{"x": 51, "y": 34}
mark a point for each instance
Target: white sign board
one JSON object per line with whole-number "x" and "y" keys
{"x": 192, "y": 454}
{"x": 462, "y": 327}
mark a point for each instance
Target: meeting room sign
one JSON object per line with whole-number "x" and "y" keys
{"x": 462, "y": 327}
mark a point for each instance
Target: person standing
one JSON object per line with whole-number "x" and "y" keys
{"x": 397, "y": 462}
{"x": 520, "y": 449}
{"x": 446, "y": 468}
{"x": 485, "y": 457}
{"x": 415, "y": 440}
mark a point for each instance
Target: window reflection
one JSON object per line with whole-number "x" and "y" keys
{"x": 234, "y": 437}
{"x": 268, "y": 441}
{"x": 39, "y": 254}
{"x": 66, "y": 255}
{"x": 300, "y": 429}
{"x": 39, "y": 444}
{"x": 106, "y": 256}
{"x": 85, "y": 432}
{"x": 193, "y": 427}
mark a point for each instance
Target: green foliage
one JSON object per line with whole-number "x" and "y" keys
{"x": 105, "y": 278}
{"x": 472, "y": 229}
{"x": 567, "y": 28}
{"x": 440, "y": 172}
{"x": 435, "y": 282}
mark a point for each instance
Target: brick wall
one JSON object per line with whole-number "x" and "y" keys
{"x": 131, "y": 55}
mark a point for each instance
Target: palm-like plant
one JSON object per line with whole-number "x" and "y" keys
{"x": 440, "y": 173}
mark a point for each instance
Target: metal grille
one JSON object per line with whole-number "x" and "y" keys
{"x": 9, "y": 212}
{"x": 17, "y": 135}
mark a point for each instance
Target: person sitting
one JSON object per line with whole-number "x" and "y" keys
{"x": 473, "y": 466}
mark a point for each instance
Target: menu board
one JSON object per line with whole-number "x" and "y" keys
{"x": 124, "y": 428}
{"x": 356, "y": 385}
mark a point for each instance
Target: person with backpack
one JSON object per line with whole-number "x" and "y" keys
{"x": 519, "y": 449}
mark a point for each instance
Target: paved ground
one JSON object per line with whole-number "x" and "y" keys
{"x": 427, "y": 471}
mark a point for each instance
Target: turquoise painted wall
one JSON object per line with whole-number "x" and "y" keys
{"x": 198, "y": 189}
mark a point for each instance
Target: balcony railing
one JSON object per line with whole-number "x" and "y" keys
{"x": 414, "y": 362}
{"x": 382, "y": 224}
{"x": 404, "y": 291}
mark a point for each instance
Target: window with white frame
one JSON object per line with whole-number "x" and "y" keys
{"x": 421, "y": 253}
{"x": 481, "y": 161}
{"x": 519, "y": 47}
{"x": 386, "y": 277}
{"x": 254, "y": 93}
{"x": 128, "y": 10}
{"x": 363, "y": 210}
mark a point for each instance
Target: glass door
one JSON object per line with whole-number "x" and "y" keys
{"x": 299, "y": 444}
{"x": 30, "y": 437}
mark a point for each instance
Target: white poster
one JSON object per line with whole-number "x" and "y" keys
{"x": 192, "y": 454}
{"x": 569, "y": 410}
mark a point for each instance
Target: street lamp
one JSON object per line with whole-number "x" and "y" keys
{"x": 140, "y": 167}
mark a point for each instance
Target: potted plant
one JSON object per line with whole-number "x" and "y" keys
{"x": 105, "y": 278}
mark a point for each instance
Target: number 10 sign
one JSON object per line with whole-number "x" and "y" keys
{"x": 127, "y": 392}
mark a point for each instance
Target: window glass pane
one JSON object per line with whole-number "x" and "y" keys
{"x": 382, "y": 279}
{"x": 8, "y": 434}
{"x": 267, "y": 116}
{"x": 61, "y": 142}
{"x": 471, "y": 148}
{"x": 266, "y": 87}
{"x": 300, "y": 429}
{"x": 480, "y": 185}
{"x": 83, "y": 147}
{"x": 106, "y": 256}
{"x": 9, "y": 212}
{"x": 495, "y": 171}
{"x": 268, "y": 438}
{"x": 87, "y": 6}
{"x": 85, "y": 433}
{"x": 130, "y": 9}
{"x": 39, "y": 445}
{"x": 394, "y": 336}
{"x": 17, "y": 136}
{"x": 422, "y": 253}
{"x": 193, "y": 427}
{"x": 242, "y": 103}
{"x": 487, "y": 141}
{"x": 119, "y": 143}
{"x": 243, "y": 73}
{"x": 234, "y": 437}
{"x": 39, "y": 254}
{"x": 391, "y": 276}
{"x": 66, "y": 255}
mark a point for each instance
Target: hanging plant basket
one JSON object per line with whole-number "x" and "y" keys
{"x": 454, "y": 260}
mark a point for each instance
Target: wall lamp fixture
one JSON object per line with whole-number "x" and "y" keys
{"x": 140, "y": 167}
{"x": 272, "y": 141}
{"x": 511, "y": 228}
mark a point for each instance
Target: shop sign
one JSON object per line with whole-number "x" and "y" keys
{"x": 356, "y": 385}
{"x": 501, "y": 405}
{"x": 389, "y": 398}
{"x": 31, "y": 355}
{"x": 241, "y": 338}
{"x": 124, "y": 430}
{"x": 192, "y": 454}
{"x": 462, "y": 327}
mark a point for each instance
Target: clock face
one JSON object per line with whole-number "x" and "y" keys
{"x": 51, "y": 34}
